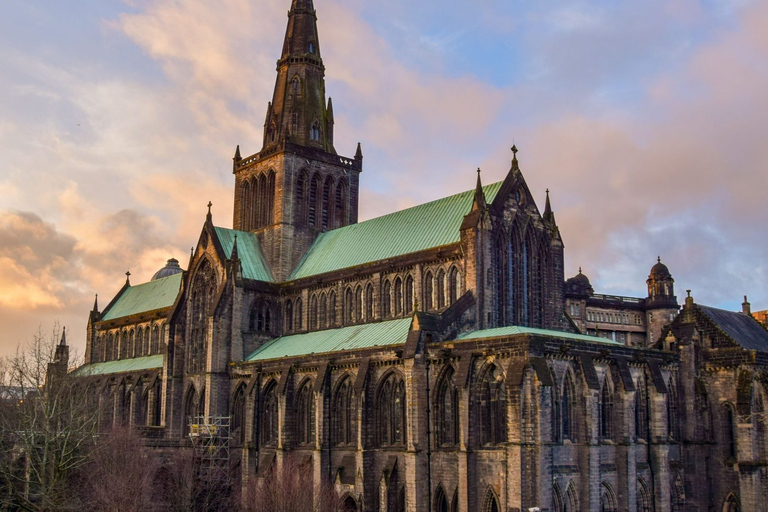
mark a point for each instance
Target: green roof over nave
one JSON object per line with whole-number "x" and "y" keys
{"x": 121, "y": 366}
{"x": 151, "y": 296}
{"x": 248, "y": 250}
{"x": 415, "y": 229}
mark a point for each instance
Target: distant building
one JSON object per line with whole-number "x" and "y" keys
{"x": 432, "y": 358}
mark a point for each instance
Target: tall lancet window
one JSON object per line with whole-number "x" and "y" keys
{"x": 201, "y": 299}
{"x": 314, "y": 132}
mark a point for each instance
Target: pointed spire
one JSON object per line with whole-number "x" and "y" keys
{"x": 237, "y": 156}
{"x": 359, "y": 152}
{"x": 96, "y": 304}
{"x": 329, "y": 109}
{"x": 208, "y": 216}
{"x": 234, "y": 256}
{"x": 479, "y": 199}
{"x": 63, "y": 341}
{"x": 549, "y": 215}
{"x": 128, "y": 278}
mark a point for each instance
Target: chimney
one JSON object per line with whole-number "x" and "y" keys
{"x": 746, "y": 307}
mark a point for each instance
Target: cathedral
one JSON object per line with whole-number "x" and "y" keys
{"x": 434, "y": 358}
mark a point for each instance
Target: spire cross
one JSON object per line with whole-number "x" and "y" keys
{"x": 209, "y": 207}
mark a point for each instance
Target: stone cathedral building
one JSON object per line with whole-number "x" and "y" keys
{"x": 431, "y": 359}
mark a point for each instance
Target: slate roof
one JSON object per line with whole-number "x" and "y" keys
{"x": 248, "y": 250}
{"x": 741, "y": 328}
{"x": 415, "y": 229}
{"x": 123, "y": 365}
{"x": 512, "y": 330}
{"x": 379, "y": 334}
{"x": 158, "y": 294}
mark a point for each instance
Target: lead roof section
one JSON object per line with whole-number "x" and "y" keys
{"x": 511, "y": 330}
{"x": 142, "y": 298}
{"x": 252, "y": 261}
{"x": 422, "y": 227}
{"x": 121, "y": 366}
{"x": 741, "y": 328}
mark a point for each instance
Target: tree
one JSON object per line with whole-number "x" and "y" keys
{"x": 47, "y": 430}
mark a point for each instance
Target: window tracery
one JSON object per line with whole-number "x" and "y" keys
{"x": 390, "y": 411}
{"x": 201, "y": 300}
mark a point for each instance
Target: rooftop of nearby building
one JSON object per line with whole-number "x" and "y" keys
{"x": 741, "y": 328}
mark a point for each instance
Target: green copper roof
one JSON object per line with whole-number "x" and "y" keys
{"x": 380, "y": 334}
{"x": 141, "y": 298}
{"x": 123, "y": 365}
{"x": 510, "y": 330}
{"x": 249, "y": 252}
{"x": 415, "y": 229}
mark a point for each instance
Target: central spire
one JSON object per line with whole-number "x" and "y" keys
{"x": 298, "y": 112}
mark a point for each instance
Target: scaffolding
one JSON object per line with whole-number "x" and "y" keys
{"x": 210, "y": 440}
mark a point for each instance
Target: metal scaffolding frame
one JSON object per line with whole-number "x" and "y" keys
{"x": 210, "y": 438}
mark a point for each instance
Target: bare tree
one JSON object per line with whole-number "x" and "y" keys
{"x": 290, "y": 490}
{"x": 46, "y": 428}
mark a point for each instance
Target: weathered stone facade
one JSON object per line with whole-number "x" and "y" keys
{"x": 435, "y": 358}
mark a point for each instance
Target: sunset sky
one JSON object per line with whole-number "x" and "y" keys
{"x": 647, "y": 120}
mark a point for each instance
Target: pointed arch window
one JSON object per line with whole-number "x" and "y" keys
{"x": 140, "y": 342}
{"x": 606, "y": 411}
{"x": 301, "y": 185}
{"x": 349, "y": 306}
{"x": 731, "y": 504}
{"x": 441, "y": 502}
{"x": 269, "y": 415}
{"x": 428, "y": 283}
{"x": 288, "y": 315}
{"x": 299, "y": 320}
{"x": 325, "y": 207}
{"x": 369, "y": 302}
{"x": 305, "y": 415}
{"x": 641, "y": 408}
{"x": 313, "y": 311}
{"x": 295, "y": 85}
{"x": 729, "y": 431}
{"x": 323, "y": 321}
{"x": 314, "y": 132}
{"x": 386, "y": 300}
{"x": 238, "y": 414}
{"x": 332, "y": 308}
{"x": 343, "y": 413}
{"x": 390, "y": 411}
{"x": 312, "y": 210}
{"x": 398, "y": 296}
{"x": 340, "y": 205}
{"x": 492, "y": 407}
{"x": 408, "y": 306}
{"x": 440, "y": 288}
{"x": 447, "y": 410}
{"x": 673, "y": 418}
{"x": 490, "y": 502}
{"x": 643, "y": 497}
{"x": 453, "y": 285}
{"x": 311, "y": 47}
{"x": 358, "y": 304}
{"x": 677, "y": 494}
{"x": 607, "y": 498}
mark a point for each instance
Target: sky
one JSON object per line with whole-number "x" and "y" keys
{"x": 646, "y": 120}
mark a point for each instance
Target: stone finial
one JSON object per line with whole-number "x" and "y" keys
{"x": 208, "y": 215}
{"x": 128, "y": 277}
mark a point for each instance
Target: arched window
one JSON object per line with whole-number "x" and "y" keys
{"x": 313, "y": 311}
{"x": 323, "y": 322}
{"x": 294, "y": 123}
{"x": 567, "y": 406}
{"x": 245, "y": 199}
{"x": 731, "y": 504}
{"x": 305, "y": 415}
{"x": 203, "y": 290}
{"x": 311, "y": 47}
{"x": 262, "y": 219}
{"x": 314, "y": 132}
{"x": 349, "y": 306}
{"x": 643, "y": 497}
{"x": 267, "y": 319}
{"x": 558, "y": 501}
{"x": 332, "y": 308}
{"x": 606, "y": 410}
{"x": 758, "y": 421}
{"x": 156, "y": 404}
{"x": 288, "y": 315}
{"x": 390, "y": 411}
{"x": 147, "y": 343}
{"x": 343, "y": 413}
{"x": 253, "y": 203}
{"x": 190, "y": 411}
{"x": 447, "y": 410}
{"x": 131, "y": 344}
{"x": 237, "y": 426}
{"x": 348, "y": 504}
{"x": 491, "y": 502}
{"x": 155, "y": 340}
{"x": 453, "y": 285}
{"x": 270, "y": 199}
{"x": 440, "y": 288}
{"x": 641, "y": 408}
{"x": 295, "y": 85}
{"x": 369, "y": 302}
{"x": 607, "y": 498}
{"x": 571, "y": 498}
{"x": 269, "y": 415}
{"x": 358, "y": 304}
{"x": 428, "y": 283}
{"x": 340, "y": 206}
{"x": 492, "y": 407}
{"x": 325, "y": 208}
{"x": 677, "y": 494}
{"x": 312, "y": 210}
{"x": 386, "y": 300}
{"x": 441, "y": 502}
{"x": 108, "y": 350}
{"x": 139, "y": 351}
{"x": 299, "y": 320}
{"x": 729, "y": 431}
{"x": 301, "y": 209}
{"x": 673, "y": 412}
{"x": 398, "y": 296}
{"x": 408, "y": 305}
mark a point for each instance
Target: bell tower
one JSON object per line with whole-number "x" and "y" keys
{"x": 296, "y": 186}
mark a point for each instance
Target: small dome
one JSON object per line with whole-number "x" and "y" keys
{"x": 579, "y": 285}
{"x": 660, "y": 270}
{"x": 170, "y": 268}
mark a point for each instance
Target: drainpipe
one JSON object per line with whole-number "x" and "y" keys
{"x": 429, "y": 440}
